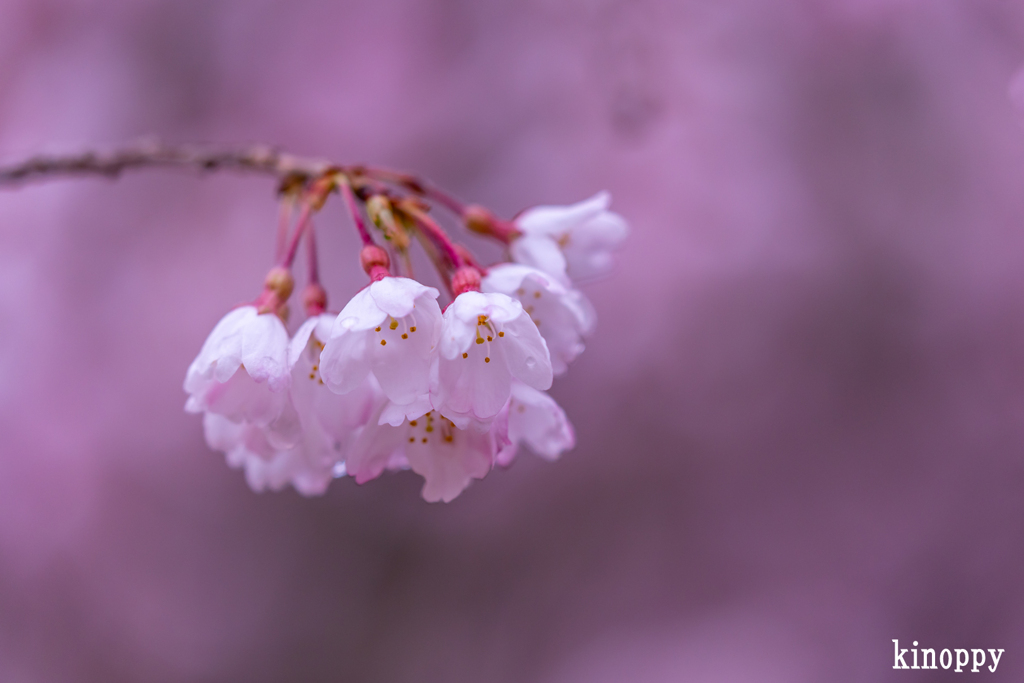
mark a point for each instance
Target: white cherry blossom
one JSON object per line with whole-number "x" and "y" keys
{"x": 390, "y": 330}
{"x": 573, "y": 241}
{"x": 447, "y": 457}
{"x": 536, "y": 420}
{"x": 486, "y": 340}
{"x": 329, "y": 421}
{"x": 246, "y": 447}
{"x": 242, "y": 373}
{"x": 562, "y": 314}
{"x": 326, "y": 423}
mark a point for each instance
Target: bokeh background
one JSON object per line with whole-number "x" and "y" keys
{"x": 801, "y": 421}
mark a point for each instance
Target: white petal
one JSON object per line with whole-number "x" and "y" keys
{"x": 265, "y": 351}
{"x": 301, "y": 338}
{"x": 343, "y": 363}
{"x": 241, "y": 398}
{"x": 540, "y": 252}
{"x": 401, "y": 358}
{"x": 377, "y": 448}
{"x": 527, "y": 353}
{"x": 360, "y": 313}
{"x": 396, "y": 296}
{"x": 537, "y": 420}
{"x": 448, "y": 467}
{"x": 555, "y": 220}
{"x": 395, "y": 414}
{"x": 221, "y": 353}
{"x": 472, "y": 387}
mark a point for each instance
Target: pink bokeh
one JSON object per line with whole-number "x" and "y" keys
{"x": 800, "y": 423}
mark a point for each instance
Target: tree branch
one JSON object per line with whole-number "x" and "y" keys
{"x": 256, "y": 158}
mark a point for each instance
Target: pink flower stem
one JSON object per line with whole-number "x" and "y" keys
{"x": 285, "y": 217}
{"x": 314, "y": 268}
{"x": 435, "y": 232}
{"x": 300, "y": 227}
{"x": 430, "y": 249}
{"x": 350, "y": 202}
{"x": 419, "y": 186}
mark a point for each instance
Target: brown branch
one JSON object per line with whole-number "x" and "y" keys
{"x": 257, "y": 158}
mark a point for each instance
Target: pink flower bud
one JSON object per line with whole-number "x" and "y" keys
{"x": 466, "y": 279}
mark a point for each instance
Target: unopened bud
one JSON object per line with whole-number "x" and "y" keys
{"x": 314, "y": 299}
{"x": 375, "y": 262}
{"x": 376, "y": 206}
{"x": 280, "y": 282}
{"x": 478, "y": 219}
{"x": 466, "y": 279}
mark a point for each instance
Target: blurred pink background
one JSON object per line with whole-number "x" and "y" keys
{"x": 800, "y": 423}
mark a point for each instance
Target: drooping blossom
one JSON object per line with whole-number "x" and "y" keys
{"x": 446, "y": 456}
{"x": 242, "y": 373}
{"x": 562, "y": 314}
{"x": 574, "y": 241}
{"x": 390, "y": 330}
{"x": 486, "y": 341}
{"x": 266, "y": 468}
{"x": 536, "y": 420}
{"x": 326, "y": 423}
{"x": 392, "y": 383}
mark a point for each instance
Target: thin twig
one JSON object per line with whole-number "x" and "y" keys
{"x": 256, "y": 158}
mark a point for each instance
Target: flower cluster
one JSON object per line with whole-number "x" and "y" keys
{"x": 394, "y": 381}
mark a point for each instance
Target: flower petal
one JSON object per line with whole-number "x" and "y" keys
{"x": 556, "y": 220}
{"x": 397, "y": 296}
{"x": 265, "y": 351}
{"x": 343, "y": 363}
{"x": 526, "y": 353}
{"x": 537, "y": 420}
{"x": 540, "y": 252}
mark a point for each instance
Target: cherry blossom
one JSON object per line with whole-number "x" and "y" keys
{"x": 573, "y": 241}
{"x": 390, "y": 330}
{"x": 486, "y": 340}
{"x": 246, "y": 447}
{"x": 536, "y": 420}
{"x": 446, "y": 456}
{"x": 562, "y": 314}
{"x": 326, "y": 423}
{"x": 242, "y": 373}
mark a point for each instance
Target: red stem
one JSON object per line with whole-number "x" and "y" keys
{"x": 419, "y": 186}
{"x": 436, "y": 234}
{"x": 314, "y": 268}
{"x": 287, "y": 205}
{"x": 350, "y": 202}
{"x": 300, "y": 227}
